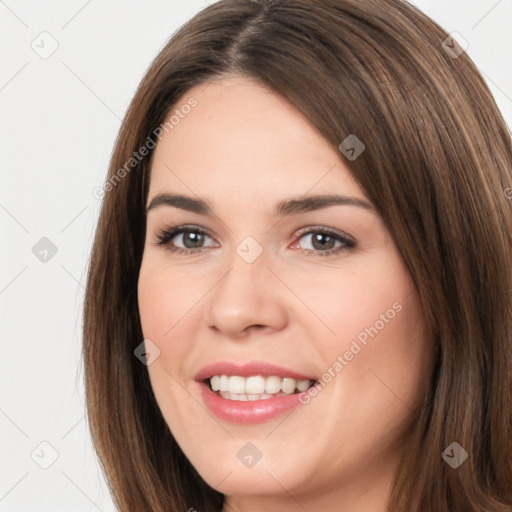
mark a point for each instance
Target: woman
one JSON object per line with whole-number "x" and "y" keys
{"x": 299, "y": 294}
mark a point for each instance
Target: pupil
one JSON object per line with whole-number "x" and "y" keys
{"x": 327, "y": 243}
{"x": 195, "y": 239}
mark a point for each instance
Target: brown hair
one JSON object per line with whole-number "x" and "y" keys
{"x": 437, "y": 161}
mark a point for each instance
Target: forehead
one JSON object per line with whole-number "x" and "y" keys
{"x": 241, "y": 138}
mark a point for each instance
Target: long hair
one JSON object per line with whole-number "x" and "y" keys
{"x": 437, "y": 166}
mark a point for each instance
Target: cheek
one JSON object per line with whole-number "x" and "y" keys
{"x": 167, "y": 314}
{"x": 165, "y": 297}
{"x": 154, "y": 304}
{"x": 170, "y": 308}
{"x": 374, "y": 335}
{"x": 350, "y": 301}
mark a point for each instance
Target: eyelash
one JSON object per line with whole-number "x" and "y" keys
{"x": 165, "y": 236}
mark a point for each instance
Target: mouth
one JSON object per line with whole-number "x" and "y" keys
{"x": 251, "y": 392}
{"x": 256, "y": 387}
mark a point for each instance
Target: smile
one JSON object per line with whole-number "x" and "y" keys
{"x": 251, "y": 392}
{"x": 256, "y": 387}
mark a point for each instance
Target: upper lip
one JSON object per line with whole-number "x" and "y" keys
{"x": 247, "y": 370}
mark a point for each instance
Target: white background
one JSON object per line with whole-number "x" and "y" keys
{"x": 59, "y": 117}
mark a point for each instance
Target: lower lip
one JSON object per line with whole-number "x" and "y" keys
{"x": 249, "y": 412}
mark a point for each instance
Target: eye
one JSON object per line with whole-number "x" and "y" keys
{"x": 183, "y": 239}
{"x": 323, "y": 241}
{"x": 318, "y": 241}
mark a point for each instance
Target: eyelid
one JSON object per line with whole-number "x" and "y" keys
{"x": 324, "y": 229}
{"x": 165, "y": 235}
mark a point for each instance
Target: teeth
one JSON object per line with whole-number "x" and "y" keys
{"x": 273, "y": 385}
{"x": 223, "y": 383}
{"x": 245, "y": 397}
{"x": 257, "y": 387}
{"x": 236, "y": 385}
{"x": 288, "y": 386}
{"x": 303, "y": 385}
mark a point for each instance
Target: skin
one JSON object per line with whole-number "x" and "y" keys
{"x": 243, "y": 148}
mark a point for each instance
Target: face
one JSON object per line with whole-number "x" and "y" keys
{"x": 262, "y": 250}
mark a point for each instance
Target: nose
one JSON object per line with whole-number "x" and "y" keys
{"x": 247, "y": 298}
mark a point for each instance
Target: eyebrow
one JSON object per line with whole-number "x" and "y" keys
{"x": 282, "y": 208}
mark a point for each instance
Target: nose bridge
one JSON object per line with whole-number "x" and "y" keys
{"x": 248, "y": 273}
{"x": 246, "y": 294}
{"x": 248, "y": 266}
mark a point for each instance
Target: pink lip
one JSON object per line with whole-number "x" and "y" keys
{"x": 247, "y": 370}
{"x": 249, "y": 412}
